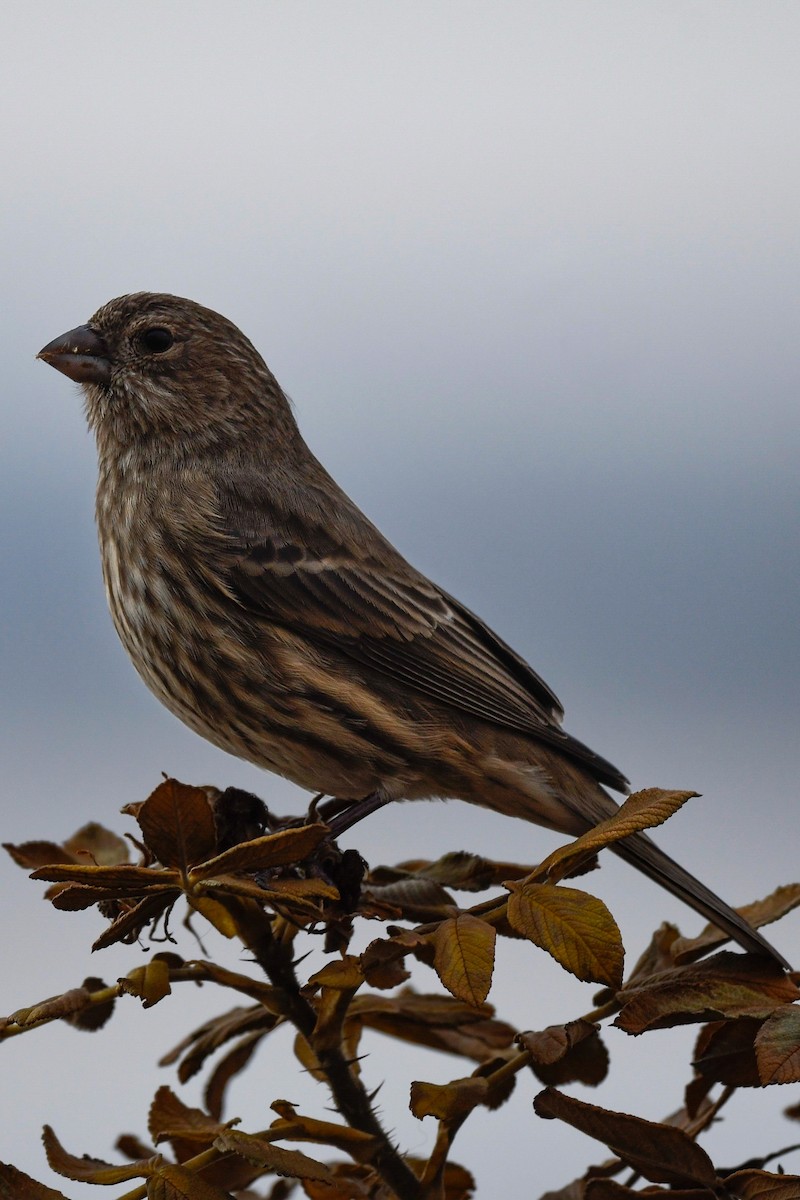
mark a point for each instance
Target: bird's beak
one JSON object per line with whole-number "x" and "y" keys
{"x": 80, "y": 354}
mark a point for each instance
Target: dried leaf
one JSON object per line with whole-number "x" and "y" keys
{"x": 760, "y": 912}
{"x": 263, "y": 1153}
{"x": 169, "y": 1117}
{"x": 227, "y": 1069}
{"x": 177, "y": 824}
{"x": 440, "y": 1022}
{"x": 124, "y": 880}
{"x": 725, "y": 1052}
{"x": 285, "y": 848}
{"x": 763, "y": 1185}
{"x": 464, "y": 957}
{"x": 383, "y": 963}
{"x": 407, "y": 899}
{"x": 132, "y": 921}
{"x": 777, "y": 1047}
{"x": 567, "y": 1053}
{"x": 105, "y": 848}
{"x": 642, "y": 810}
{"x": 575, "y": 928}
{"x": 16, "y": 1185}
{"x": 466, "y": 872}
{"x": 293, "y": 1126}
{"x": 92, "y": 1170}
{"x": 662, "y": 1153}
{"x": 448, "y": 1102}
{"x": 727, "y": 985}
{"x": 97, "y": 1011}
{"x": 150, "y": 982}
{"x": 173, "y": 1182}
{"x": 215, "y": 913}
{"x": 214, "y": 1033}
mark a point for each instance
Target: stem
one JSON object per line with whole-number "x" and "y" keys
{"x": 348, "y": 1091}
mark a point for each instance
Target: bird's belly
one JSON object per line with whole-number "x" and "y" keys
{"x": 231, "y": 683}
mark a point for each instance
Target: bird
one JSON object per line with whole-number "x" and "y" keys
{"x": 268, "y": 613}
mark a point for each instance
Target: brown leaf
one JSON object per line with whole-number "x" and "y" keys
{"x": 608, "y": 1189}
{"x": 16, "y": 1185}
{"x": 344, "y": 973}
{"x": 169, "y": 1117}
{"x": 150, "y": 983}
{"x": 263, "y": 1153}
{"x": 642, "y": 810}
{"x": 124, "y": 880}
{"x": 760, "y": 912}
{"x": 132, "y": 920}
{"x": 575, "y": 928}
{"x": 725, "y": 1052}
{"x": 92, "y": 1170}
{"x": 37, "y": 854}
{"x": 763, "y": 1185}
{"x": 97, "y": 1011}
{"x": 65, "y": 1006}
{"x": 350, "y": 1181}
{"x": 777, "y": 1047}
{"x": 285, "y": 848}
{"x": 440, "y": 1022}
{"x": 727, "y": 985}
{"x": 294, "y": 1126}
{"x": 408, "y": 899}
{"x": 571, "y": 1053}
{"x": 177, "y": 824}
{"x": 216, "y": 913}
{"x": 231, "y": 1065}
{"x": 464, "y": 957}
{"x": 173, "y": 1182}
{"x": 106, "y": 849}
{"x": 466, "y": 872}
{"x": 383, "y": 964}
{"x": 214, "y": 1033}
{"x": 450, "y": 1101}
{"x": 662, "y": 1153}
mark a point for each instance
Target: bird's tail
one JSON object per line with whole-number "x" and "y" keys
{"x": 645, "y": 855}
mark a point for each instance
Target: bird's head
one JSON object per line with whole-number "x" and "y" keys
{"x": 157, "y": 366}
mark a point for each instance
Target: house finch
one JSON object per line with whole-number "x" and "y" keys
{"x": 265, "y": 610}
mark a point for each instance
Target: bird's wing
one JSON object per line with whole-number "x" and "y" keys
{"x": 373, "y": 608}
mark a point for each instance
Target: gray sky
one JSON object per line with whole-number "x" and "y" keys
{"x": 529, "y": 271}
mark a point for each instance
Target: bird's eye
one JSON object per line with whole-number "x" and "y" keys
{"x": 156, "y": 340}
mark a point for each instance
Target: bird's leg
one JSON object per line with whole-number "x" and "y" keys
{"x": 341, "y": 815}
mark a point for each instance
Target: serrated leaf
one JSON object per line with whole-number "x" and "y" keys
{"x": 727, "y": 985}
{"x": 777, "y": 1047}
{"x": 169, "y": 1117}
{"x": 662, "y": 1153}
{"x": 173, "y": 1182}
{"x": 642, "y": 810}
{"x": 464, "y": 949}
{"x": 265, "y": 1154}
{"x": 150, "y": 983}
{"x": 16, "y": 1185}
{"x": 448, "y": 1102}
{"x": 215, "y": 913}
{"x": 725, "y": 1052}
{"x": 763, "y": 1185}
{"x": 567, "y": 1053}
{"x": 177, "y": 824}
{"x": 574, "y": 927}
{"x": 92, "y": 1170}
{"x": 285, "y": 848}
{"x": 761, "y": 912}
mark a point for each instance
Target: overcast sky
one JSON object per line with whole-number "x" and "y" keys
{"x": 530, "y": 273}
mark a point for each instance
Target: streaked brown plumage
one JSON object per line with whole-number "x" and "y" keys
{"x": 265, "y": 610}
